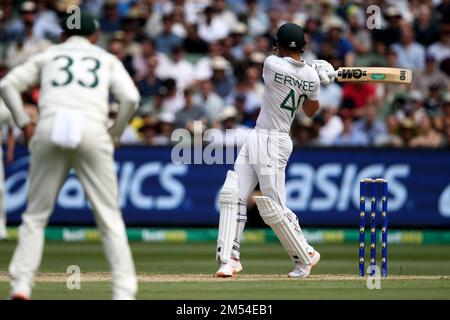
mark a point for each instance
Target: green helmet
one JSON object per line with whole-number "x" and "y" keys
{"x": 79, "y": 23}
{"x": 291, "y": 36}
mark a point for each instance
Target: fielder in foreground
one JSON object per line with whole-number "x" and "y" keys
{"x": 290, "y": 83}
{"x": 75, "y": 78}
{"x": 5, "y": 120}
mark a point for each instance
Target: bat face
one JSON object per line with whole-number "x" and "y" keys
{"x": 373, "y": 74}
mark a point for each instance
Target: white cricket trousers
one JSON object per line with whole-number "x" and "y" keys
{"x": 94, "y": 166}
{"x": 2, "y": 191}
{"x": 263, "y": 158}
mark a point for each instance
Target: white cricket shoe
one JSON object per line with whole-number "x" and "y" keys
{"x": 301, "y": 270}
{"x": 229, "y": 269}
{"x": 3, "y": 232}
{"x": 237, "y": 265}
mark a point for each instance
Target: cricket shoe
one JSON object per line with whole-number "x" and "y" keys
{"x": 301, "y": 270}
{"x": 229, "y": 269}
{"x": 19, "y": 296}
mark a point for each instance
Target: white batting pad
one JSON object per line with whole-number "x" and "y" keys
{"x": 229, "y": 197}
{"x": 284, "y": 227}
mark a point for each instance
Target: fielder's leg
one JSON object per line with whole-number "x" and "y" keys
{"x": 95, "y": 168}
{"x": 48, "y": 171}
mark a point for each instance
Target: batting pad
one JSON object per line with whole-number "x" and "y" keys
{"x": 285, "y": 229}
{"x": 229, "y": 198}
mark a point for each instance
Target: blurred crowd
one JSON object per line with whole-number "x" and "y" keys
{"x": 202, "y": 60}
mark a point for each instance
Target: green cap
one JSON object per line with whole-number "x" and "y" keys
{"x": 79, "y": 23}
{"x": 291, "y": 35}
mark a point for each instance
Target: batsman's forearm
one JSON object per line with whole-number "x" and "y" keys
{"x": 127, "y": 109}
{"x": 13, "y": 100}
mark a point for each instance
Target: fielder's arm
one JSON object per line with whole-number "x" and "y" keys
{"x": 123, "y": 88}
{"x": 18, "y": 80}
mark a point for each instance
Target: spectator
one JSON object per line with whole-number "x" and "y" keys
{"x": 349, "y": 136}
{"x": 203, "y": 67}
{"x": 167, "y": 40}
{"x": 178, "y": 68}
{"x": 425, "y": 28}
{"x": 253, "y": 81}
{"x": 257, "y": 20}
{"x": 227, "y": 16}
{"x": 330, "y": 95}
{"x": 369, "y": 124}
{"x": 441, "y": 49}
{"x": 303, "y": 132}
{"x": 332, "y": 127}
{"x": 428, "y": 137}
{"x": 238, "y": 33}
{"x": 193, "y": 43}
{"x": 179, "y": 23}
{"x": 212, "y": 28}
{"x": 390, "y": 34}
{"x": 413, "y": 108}
{"x": 391, "y": 138}
{"x": 47, "y": 21}
{"x": 26, "y": 43}
{"x": 252, "y": 100}
{"x": 358, "y": 95}
{"x": 152, "y": 26}
{"x": 231, "y": 133}
{"x": 165, "y": 125}
{"x": 148, "y": 131}
{"x": 410, "y": 54}
{"x": 116, "y": 46}
{"x": 190, "y": 113}
{"x": 150, "y": 85}
{"x": 222, "y": 78}
{"x": 173, "y": 99}
{"x": 110, "y": 20}
{"x": 432, "y": 101}
{"x": 335, "y": 44}
{"x": 407, "y": 132}
{"x": 443, "y": 120}
{"x": 210, "y": 101}
{"x": 357, "y": 34}
{"x": 431, "y": 75}
{"x": 141, "y": 58}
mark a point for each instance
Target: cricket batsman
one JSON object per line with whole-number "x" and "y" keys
{"x": 75, "y": 78}
{"x": 290, "y": 83}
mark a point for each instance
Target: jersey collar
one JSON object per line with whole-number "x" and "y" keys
{"x": 78, "y": 39}
{"x": 295, "y": 62}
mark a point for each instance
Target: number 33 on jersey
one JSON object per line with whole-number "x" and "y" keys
{"x": 289, "y": 84}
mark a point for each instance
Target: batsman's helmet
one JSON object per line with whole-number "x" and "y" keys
{"x": 291, "y": 36}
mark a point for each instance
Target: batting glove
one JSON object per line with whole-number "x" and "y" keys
{"x": 325, "y": 71}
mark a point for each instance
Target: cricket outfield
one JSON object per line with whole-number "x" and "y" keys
{"x": 184, "y": 271}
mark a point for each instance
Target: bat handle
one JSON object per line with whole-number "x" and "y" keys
{"x": 332, "y": 74}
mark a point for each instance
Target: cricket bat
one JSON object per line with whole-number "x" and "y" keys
{"x": 372, "y": 74}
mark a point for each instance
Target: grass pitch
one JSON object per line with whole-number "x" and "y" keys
{"x": 184, "y": 271}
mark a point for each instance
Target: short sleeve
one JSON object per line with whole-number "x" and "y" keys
{"x": 268, "y": 66}
{"x": 314, "y": 95}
